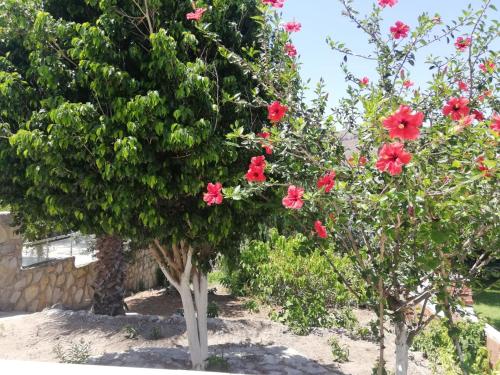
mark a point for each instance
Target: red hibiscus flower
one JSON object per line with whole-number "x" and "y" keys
{"x": 196, "y": 15}
{"x": 384, "y": 3}
{"x": 462, "y": 86}
{"x": 294, "y": 198}
{"x": 456, "y": 108}
{"x": 407, "y": 84}
{"x": 482, "y": 167}
{"x": 213, "y": 194}
{"x": 327, "y": 181}
{"x": 495, "y": 123}
{"x": 290, "y": 50}
{"x": 276, "y": 111}
{"x": 256, "y": 170}
{"x": 404, "y": 123}
{"x": 464, "y": 122}
{"x": 487, "y": 67}
{"x": 400, "y": 30}
{"x": 364, "y": 81}
{"x": 320, "y": 229}
{"x": 267, "y": 147}
{"x": 392, "y": 157}
{"x": 462, "y": 43}
{"x": 274, "y": 3}
{"x": 264, "y": 135}
{"x": 255, "y": 174}
{"x": 258, "y": 161}
{"x": 478, "y": 115}
{"x": 292, "y": 27}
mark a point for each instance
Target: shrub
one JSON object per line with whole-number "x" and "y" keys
{"x": 285, "y": 272}
{"x": 437, "y": 345}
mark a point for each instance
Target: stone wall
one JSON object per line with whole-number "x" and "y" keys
{"x": 58, "y": 281}
{"x": 141, "y": 272}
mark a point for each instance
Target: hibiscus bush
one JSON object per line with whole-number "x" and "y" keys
{"x": 415, "y": 207}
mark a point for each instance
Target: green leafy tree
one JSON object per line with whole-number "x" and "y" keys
{"x": 128, "y": 107}
{"x": 18, "y": 104}
{"x": 416, "y": 205}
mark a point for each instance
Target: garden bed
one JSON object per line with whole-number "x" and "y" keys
{"x": 245, "y": 341}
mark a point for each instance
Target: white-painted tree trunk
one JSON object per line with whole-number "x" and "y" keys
{"x": 401, "y": 348}
{"x": 195, "y": 306}
{"x": 200, "y": 285}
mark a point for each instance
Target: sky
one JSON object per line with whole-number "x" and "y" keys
{"x": 322, "y": 18}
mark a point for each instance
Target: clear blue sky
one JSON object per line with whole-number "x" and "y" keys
{"x": 322, "y": 18}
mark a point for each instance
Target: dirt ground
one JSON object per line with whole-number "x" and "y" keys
{"x": 249, "y": 342}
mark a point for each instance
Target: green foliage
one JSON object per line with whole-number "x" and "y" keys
{"x": 340, "y": 353}
{"x": 116, "y": 126}
{"x": 212, "y": 310}
{"x": 156, "y": 333}
{"x": 284, "y": 272}
{"x": 217, "y": 363}
{"x": 130, "y": 332}
{"x": 252, "y": 306}
{"x": 437, "y": 345}
{"x": 77, "y": 353}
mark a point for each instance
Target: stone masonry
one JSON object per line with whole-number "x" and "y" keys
{"x": 59, "y": 281}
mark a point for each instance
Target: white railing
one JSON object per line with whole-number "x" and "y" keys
{"x": 59, "y": 247}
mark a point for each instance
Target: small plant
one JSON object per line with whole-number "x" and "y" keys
{"x": 363, "y": 333}
{"x": 212, "y": 310}
{"x": 77, "y": 353}
{"x": 156, "y": 333}
{"x": 252, "y": 306}
{"x": 375, "y": 369}
{"x": 345, "y": 318}
{"x": 340, "y": 352}
{"x": 130, "y": 332}
{"x": 217, "y": 363}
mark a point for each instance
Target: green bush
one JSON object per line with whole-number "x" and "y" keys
{"x": 284, "y": 272}
{"x": 437, "y": 345}
{"x": 212, "y": 310}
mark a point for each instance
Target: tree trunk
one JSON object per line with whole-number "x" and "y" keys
{"x": 109, "y": 283}
{"x": 178, "y": 268}
{"x": 402, "y": 346}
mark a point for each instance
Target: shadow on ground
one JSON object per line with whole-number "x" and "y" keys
{"x": 247, "y": 359}
{"x": 167, "y": 302}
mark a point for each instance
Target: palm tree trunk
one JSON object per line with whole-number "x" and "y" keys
{"x": 109, "y": 282}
